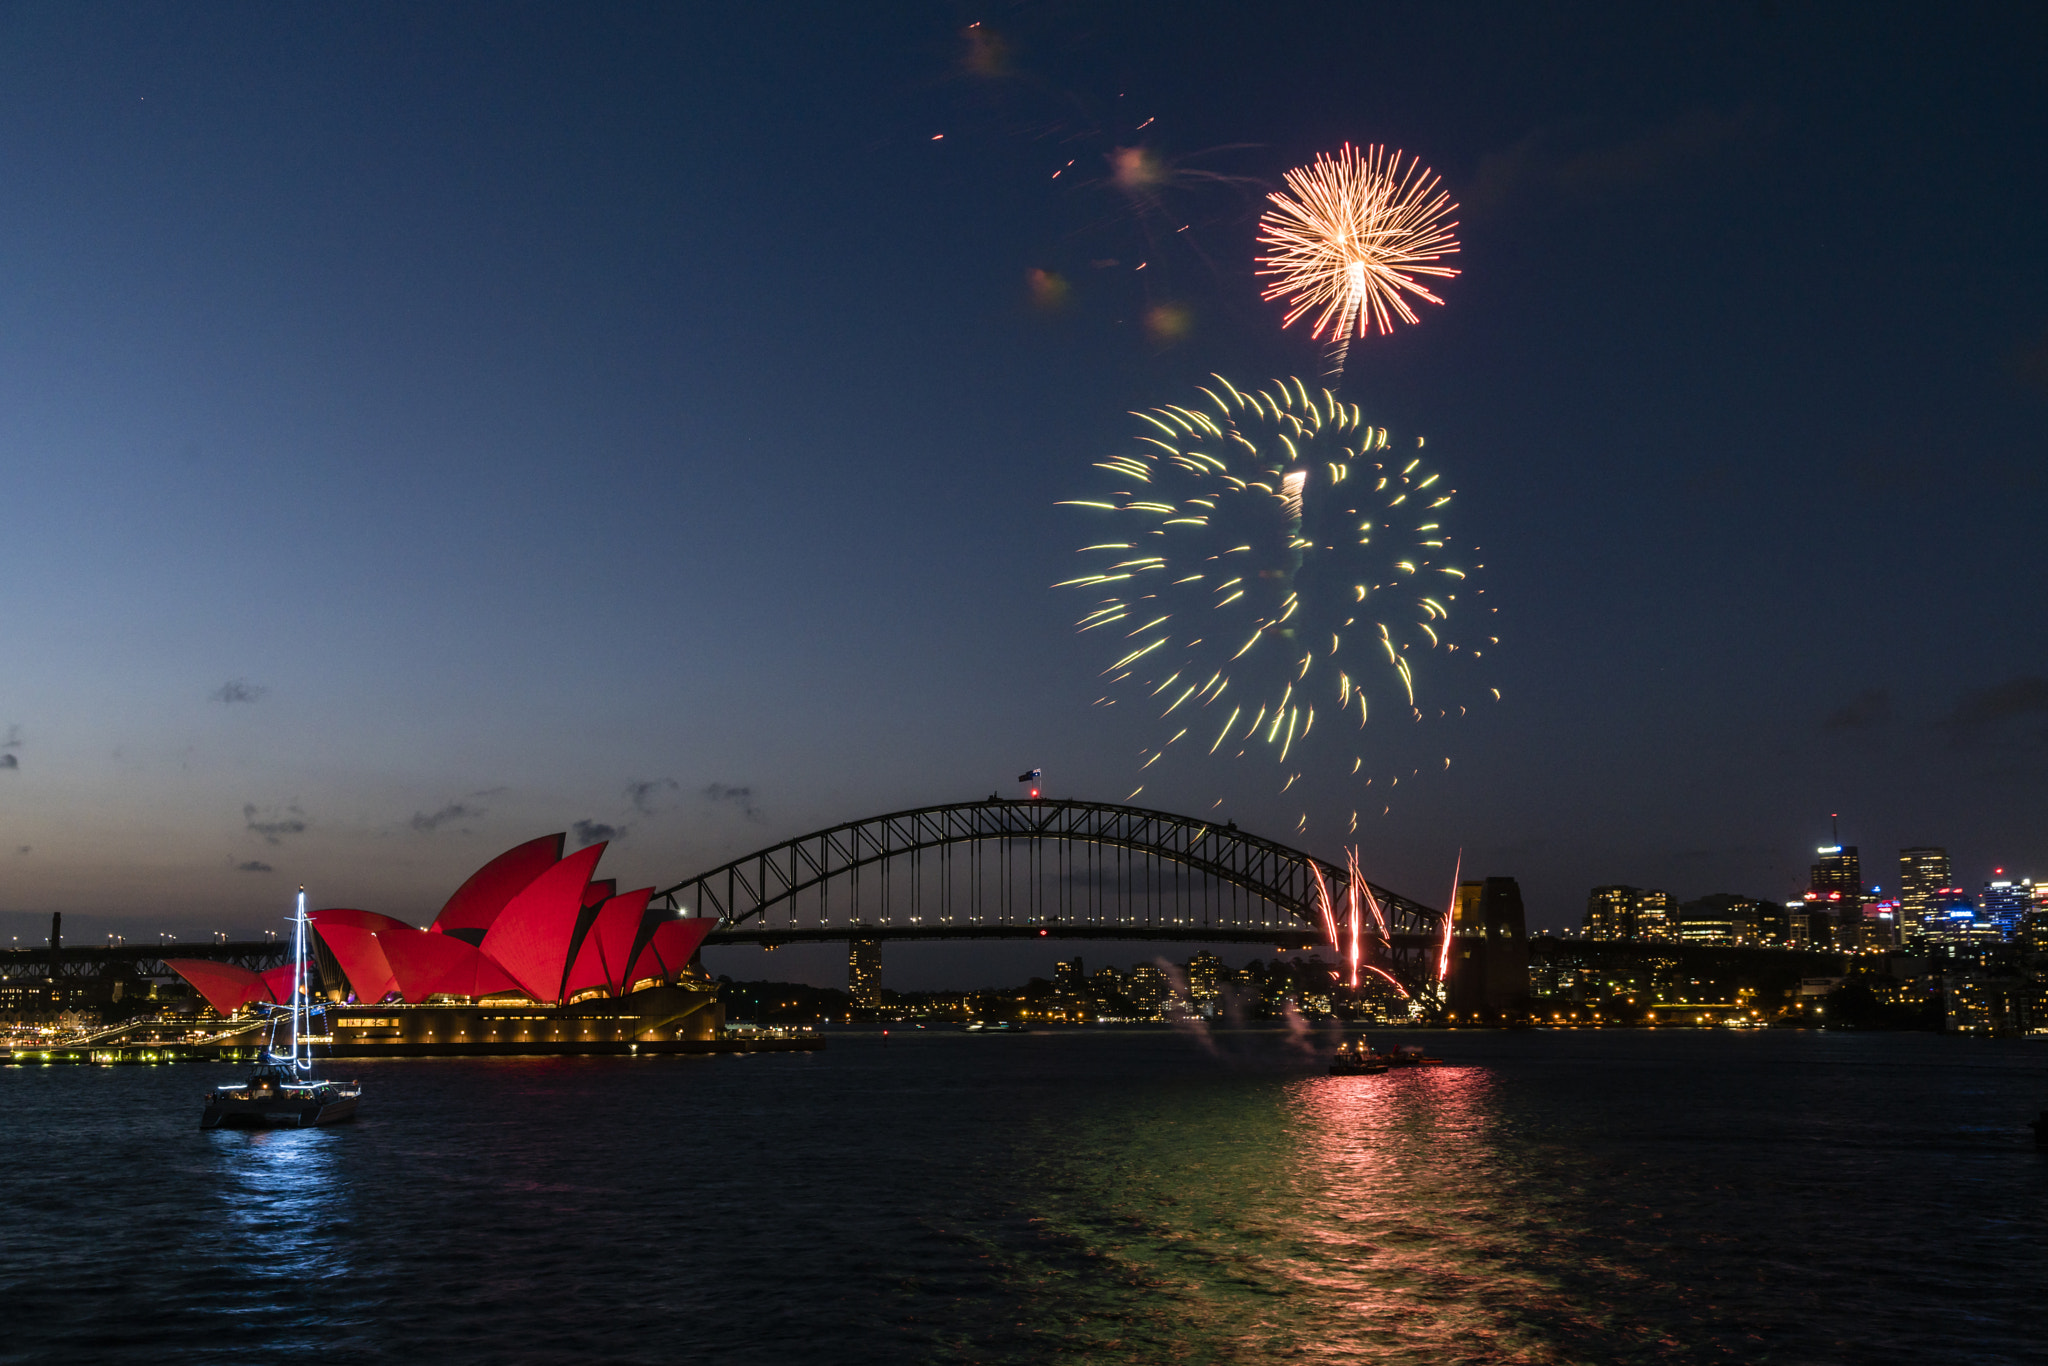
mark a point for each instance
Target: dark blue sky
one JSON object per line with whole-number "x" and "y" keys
{"x": 637, "y": 416}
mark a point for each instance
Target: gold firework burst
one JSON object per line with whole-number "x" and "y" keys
{"x": 1349, "y": 238}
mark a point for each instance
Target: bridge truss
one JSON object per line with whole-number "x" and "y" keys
{"x": 97, "y": 960}
{"x": 1040, "y": 869}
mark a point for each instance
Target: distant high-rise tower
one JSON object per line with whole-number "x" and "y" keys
{"x": 1656, "y": 915}
{"x": 1610, "y": 911}
{"x": 864, "y": 972}
{"x": 1839, "y": 874}
{"x": 1923, "y": 872}
{"x": 2005, "y": 901}
{"x": 2034, "y": 929}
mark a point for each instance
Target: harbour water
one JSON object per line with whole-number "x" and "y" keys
{"x": 1090, "y": 1196}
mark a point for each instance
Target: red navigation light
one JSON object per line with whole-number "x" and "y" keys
{"x": 1041, "y": 934}
{"x": 1034, "y": 794}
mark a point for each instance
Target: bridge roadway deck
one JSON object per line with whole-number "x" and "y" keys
{"x": 1291, "y": 941}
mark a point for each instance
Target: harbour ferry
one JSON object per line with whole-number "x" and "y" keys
{"x": 1356, "y": 1059}
{"x": 283, "y": 1093}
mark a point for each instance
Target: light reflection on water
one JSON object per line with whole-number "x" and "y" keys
{"x": 1082, "y": 1197}
{"x": 283, "y": 1203}
{"x": 1416, "y": 1223}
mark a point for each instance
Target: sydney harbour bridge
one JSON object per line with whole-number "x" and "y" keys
{"x": 994, "y": 869}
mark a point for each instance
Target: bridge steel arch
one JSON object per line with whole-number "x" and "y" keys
{"x": 1041, "y": 869}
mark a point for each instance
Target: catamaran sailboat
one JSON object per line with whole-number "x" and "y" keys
{"x": 283, "y": 1093}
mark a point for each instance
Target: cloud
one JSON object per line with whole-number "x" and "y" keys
{"x": 1867, "y": 710}
{"x": 9, "y": 761}
{"x": 742, "y": 797}
{"x": 651, "y": 798}
{"x": 590, "y": 832}
{"x": 254, "y": 866}
{"x": 2001, "y": 713}
{"x": 237, "y": 690}
{"x": 291, "y": 821}
{"x": 1540, "y": 165}
{"x": 454, "y": 811}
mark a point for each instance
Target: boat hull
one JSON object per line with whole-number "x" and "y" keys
{"x": 276, "y": 1112}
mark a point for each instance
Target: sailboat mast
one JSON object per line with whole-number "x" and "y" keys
{"x": 298, "y": 973}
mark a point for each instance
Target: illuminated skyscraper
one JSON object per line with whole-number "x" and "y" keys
{"x": 1066, "y": 974}
{"x": 864, "y": 972}
{"x": 1610, "y": 912}
{"x": 2004, "y": 902}
{"x": 1839, "y": 870}
{"x": 1656, "y": 915}
{"x": 1923, "y": 872}
{"x": 1204, "y": 972}
{"x": 2034, "y": 929}
{"x": 1147, "y": 987}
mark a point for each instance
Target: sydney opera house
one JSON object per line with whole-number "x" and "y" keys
{"x": 531, "y": 954}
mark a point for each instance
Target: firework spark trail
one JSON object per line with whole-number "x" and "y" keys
{"x": 1443, "y": 958}
{"x": 1357, "y": 931}
{"x": 1287, "y": 564}
{"x": 1392, "y": 980}
{"x": 1349, "y": 237}
{"x": 1323, "y": 902}
{"x": 1354, "y": 956}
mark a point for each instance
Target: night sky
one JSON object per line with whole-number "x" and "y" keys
{"x": 422, "y": 428}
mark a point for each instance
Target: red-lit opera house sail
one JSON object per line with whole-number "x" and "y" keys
{"x": 668, "y": 950}
{"x": 381, "y": 956}
{"x": 277, "y": 984}
{"x": 548, "y": 933}
{"x": 351, "y": 936}
{"x": 226, "y": 987}
{"x": 428, "y": 964}
{"x": 531, "y": 937}
{"x": 601, "y": 960}
{"x": 478, "y": 901}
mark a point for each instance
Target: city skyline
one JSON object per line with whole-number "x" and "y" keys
{"x": 431, "y": 431}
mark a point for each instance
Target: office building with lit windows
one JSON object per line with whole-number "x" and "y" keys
{"x": 1205, "y": 972}
{"x": 1923, "y": 872}
{"x": 1617, "y": 912}
{"x": 1839, "y": 871}
{"x": 2004, "y": 902}
{"x": 864, "y": 973}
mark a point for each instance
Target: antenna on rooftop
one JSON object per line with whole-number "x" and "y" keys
{"x": 1835, "y": 825}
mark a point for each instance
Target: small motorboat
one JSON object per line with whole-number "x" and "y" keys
{"x": 283, "y": 1093}
{"x": 1408, "y": 1055}
{"x": 1356, "y": 1059}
